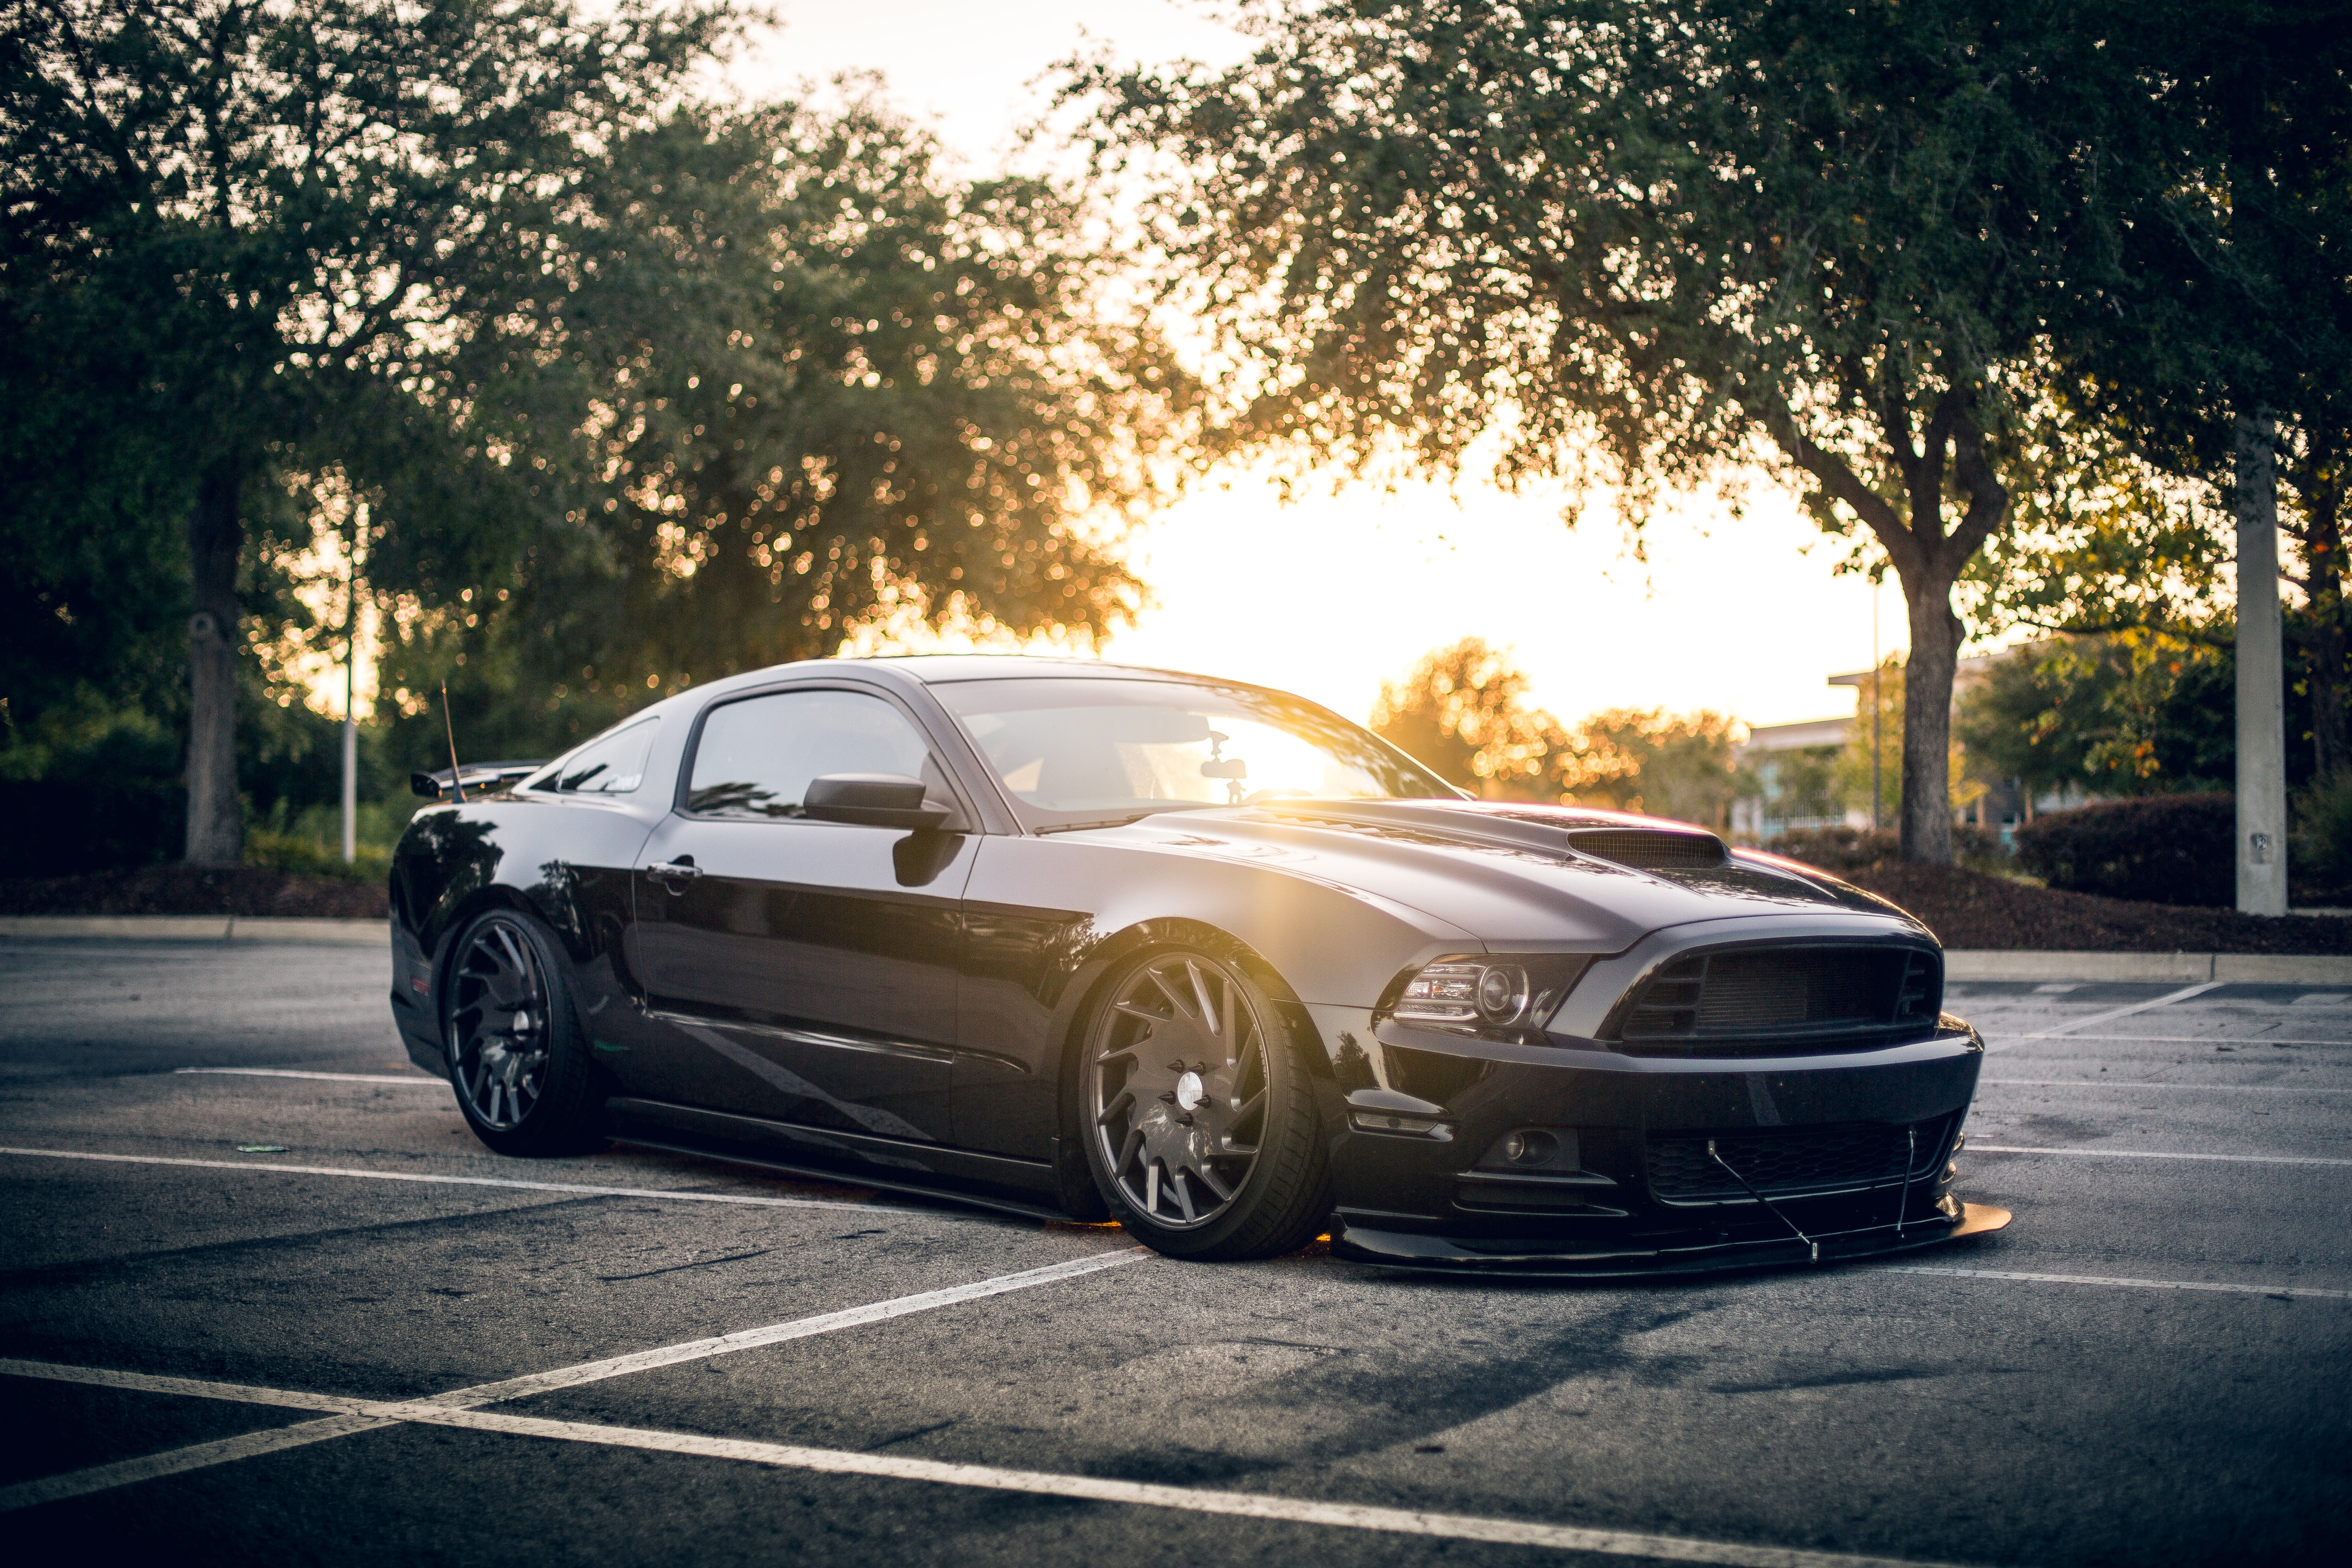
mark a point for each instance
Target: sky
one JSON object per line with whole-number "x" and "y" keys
{"x": 1333, "y": 594}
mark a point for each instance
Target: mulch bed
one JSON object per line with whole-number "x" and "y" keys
{"x": 1970, "y": 910}
{"x": 248, "y": 890}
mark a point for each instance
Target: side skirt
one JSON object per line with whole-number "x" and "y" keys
{"x": 882, "y": 1164}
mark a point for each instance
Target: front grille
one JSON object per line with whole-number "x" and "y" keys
{"x": 1792, "y": 1163}
{"x": 1798, "y": 998}
{"x": 1650, "y": 850}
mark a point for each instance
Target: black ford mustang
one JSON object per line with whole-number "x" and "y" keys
{"x": 1076, "y": 939}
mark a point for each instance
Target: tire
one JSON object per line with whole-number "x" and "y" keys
{"x": 1197, "y": 1113}
{"x": 518, "y": 1058}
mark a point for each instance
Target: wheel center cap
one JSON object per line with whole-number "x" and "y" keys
{"x": 1189, "y": 1091}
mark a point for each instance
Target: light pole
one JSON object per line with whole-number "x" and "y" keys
{"x": 351, "y": 683}
{"x": 1874, "y": 710}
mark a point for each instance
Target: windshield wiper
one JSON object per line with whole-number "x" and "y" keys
{"x": 1123, "y": 821}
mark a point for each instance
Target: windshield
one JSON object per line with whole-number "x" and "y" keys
{"x": 1088, "y": 749}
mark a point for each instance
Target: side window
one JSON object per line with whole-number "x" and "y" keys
{"x": 614, "y": 765}
{"x": 756, "y": 757}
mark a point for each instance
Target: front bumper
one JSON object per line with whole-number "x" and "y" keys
{"x": 1854, "y": 1152}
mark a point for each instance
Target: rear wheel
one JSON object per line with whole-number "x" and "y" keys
{"x": 1198, "y": 1115}
{"x": 516, "y": 1055}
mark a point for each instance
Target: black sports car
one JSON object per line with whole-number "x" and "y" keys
{"x": 1085, "y": 939}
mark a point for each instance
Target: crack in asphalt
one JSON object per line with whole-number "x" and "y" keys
{"x": 674, "y": 1267}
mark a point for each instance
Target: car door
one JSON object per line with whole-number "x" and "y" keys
{"x": 813, "y": 962}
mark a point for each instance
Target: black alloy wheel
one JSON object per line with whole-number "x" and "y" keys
{"x": 515, "y": 1054}
{"x": 1200, "y": 1120}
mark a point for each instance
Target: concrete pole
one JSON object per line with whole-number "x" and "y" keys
{"x": 351, "y": 693}
{"x": 2262, "y": 717}
{"x": 1875, "y": 709}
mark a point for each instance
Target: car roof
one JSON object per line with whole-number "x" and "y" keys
{"x": 942, "y": 668}
{"x": 949, "y": 668}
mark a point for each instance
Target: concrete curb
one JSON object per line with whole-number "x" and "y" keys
{"x": 2176, "y": 968}
{"x": 199, "y": 928}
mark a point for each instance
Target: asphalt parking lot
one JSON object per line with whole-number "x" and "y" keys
{"x": 294, "y": 1312}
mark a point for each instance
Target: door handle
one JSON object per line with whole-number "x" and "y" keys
{"x": 673, "y": 875}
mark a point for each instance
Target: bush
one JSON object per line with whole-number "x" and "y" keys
{"x": 2164, "y": 849}
{"x": 61, "y": 827}
{"x": 1844, "y": 851}
{"x": 305, "y": 856}
{"x": 2322, "y": 859}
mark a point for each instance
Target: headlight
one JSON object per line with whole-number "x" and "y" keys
{"x": 1483, "y": 994}
{"x": 1465, "y": 994}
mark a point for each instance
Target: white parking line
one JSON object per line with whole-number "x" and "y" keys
{"x": 177, "y": 1461}
{"x": 2180, "y": 995}
{"x": 361, "y": 1415}
{"x": 2136, "y": 1284}
{"x": 2175, "y": 1040}
{"x": 2127, "y": 1083}
{"x": 415, "y": 1080}
{"x": 573, "y": 1189}
{"x": 2156, "y": 1154}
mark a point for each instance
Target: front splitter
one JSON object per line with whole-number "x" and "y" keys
{"x": 1437, "y": 1254}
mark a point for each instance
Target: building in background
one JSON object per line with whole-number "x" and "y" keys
{"x": 1796, "y": 776}
{"x": 1795, "y": 768}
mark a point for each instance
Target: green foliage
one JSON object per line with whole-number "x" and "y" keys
{"x": 1676, "y": 765}
{"x": 1802, "y": 782}
{"x": 239, "y": 236}
{"x": 2125, "y": 715}
{"x": 309, "y": 842}
{"x": 2321, "y": 851}
{"x": 812, "y": 386}
{"x": 2168, "y": 850}
{"x": 613, "y": 388}
{"x": 2227, "y": 177}
{"x": 1847, "y": 850}
{"x": 1464, "y": 710}
{"x": 1967, "y": 780}
{"x": 1681, "y": 235}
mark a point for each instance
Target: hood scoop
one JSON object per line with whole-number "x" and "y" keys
{"x": 1642, "y": 843}
{"x": 1649, "y": 849}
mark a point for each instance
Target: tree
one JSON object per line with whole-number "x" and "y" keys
{"x": 2218, "y": 344}
{"x": 1677, "y": 765}
{"x": 1856, "y": 774}
{"x": 252, "y": 225}
{"x": 1695, "y": 232}
{"x": 1464, "y": 711}
{"x": 2132, "y": 713}
{"x": 801, "y": 383}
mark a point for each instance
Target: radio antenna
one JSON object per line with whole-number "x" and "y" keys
{"x": 455, "y": 782}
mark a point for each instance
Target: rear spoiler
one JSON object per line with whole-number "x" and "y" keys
{"x": 482, "y": 778}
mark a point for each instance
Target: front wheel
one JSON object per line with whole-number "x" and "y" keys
{"x": 516, "y": 1055}
{"x": 1199, "y": 1118}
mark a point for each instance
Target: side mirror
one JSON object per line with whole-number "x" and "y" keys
{"x": 872, "y": 800}
{"x": 424, "y": 785}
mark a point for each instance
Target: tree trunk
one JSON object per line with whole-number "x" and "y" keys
{"x": 1926, "y": 826}
{"x": 2331, "y": 735}
{"x": 215, "y": 540}
{"x": 2261, "y": 718}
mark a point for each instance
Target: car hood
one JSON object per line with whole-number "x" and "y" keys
{"x": 1516, "y": 875}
